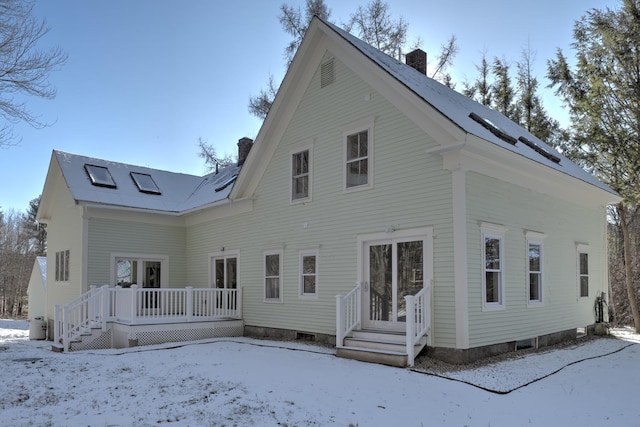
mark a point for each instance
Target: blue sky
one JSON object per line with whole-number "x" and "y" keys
{"x": 145, "y": 79}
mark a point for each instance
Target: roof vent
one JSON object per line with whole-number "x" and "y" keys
{"x": 494, "y": 129}
{"x": 540, "y": 150}
{"x": 327, "y": 73}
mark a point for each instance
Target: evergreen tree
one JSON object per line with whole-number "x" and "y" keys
{"x": 532, "y": 114}
{"x": 602, "y": 93}
{"x": 502, "y": 89}
{"x": 480, "y": 90}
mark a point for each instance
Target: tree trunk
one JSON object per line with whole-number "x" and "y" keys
{"x": 631, "y": 292}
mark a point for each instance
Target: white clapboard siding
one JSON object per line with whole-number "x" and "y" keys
{"x": 410, "y": 190}
{"x": 564, "y": 225}
{"x": 107, "y": 237}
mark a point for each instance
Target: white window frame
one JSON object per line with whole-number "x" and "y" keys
{"x": 163, "y": 259}
{"x": 301, "y": 255}
{"x": 280, "y": 276}
{"x": 493, "y": 231}
{"x": 62, "y": 266}
{"x": 293, "y": 152}
{"x": 534, "y": 238}
{"x": 582, "y": 249}
{"x": 355, "y": 128}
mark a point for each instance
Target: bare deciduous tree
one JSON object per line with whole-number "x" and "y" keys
{"x": 24, "y": 68}
{"x": 16, "y": 262}
{"x": 294, "y": 22}
{"x": 373, "y": 23}
{"x": 211, "y": 158}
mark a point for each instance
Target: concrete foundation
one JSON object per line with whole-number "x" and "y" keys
{"x": 470, "y": 355}
{"x": 288, "y": 335}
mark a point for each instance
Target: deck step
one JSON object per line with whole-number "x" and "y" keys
{"x": 388, "y": 348}
{"x": 382, "y": 336}
{"x": 391, "y": 358}
{"x": 380, "y": 345}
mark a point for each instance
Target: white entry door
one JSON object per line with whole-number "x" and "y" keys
{"x": 393, "y": 268}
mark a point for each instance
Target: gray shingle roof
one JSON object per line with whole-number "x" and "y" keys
{"x": 179, "y": 192}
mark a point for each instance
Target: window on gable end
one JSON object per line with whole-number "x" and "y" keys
{"x": 62, "y": 266}
{"x": 301, "y": 168}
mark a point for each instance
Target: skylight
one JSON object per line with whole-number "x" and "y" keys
{"x": 493, "y": 129}
{"x": 145, "y": 183}
{"x": 100, "y": 176}
{"x": 540, "y": 150}
{"x": 226, "y": 183}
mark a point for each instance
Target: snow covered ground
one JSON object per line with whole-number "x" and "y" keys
{"x": 240, "y": 382}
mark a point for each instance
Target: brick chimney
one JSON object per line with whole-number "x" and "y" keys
{"x": 418, "y": 60}
{"x": 244, "y": 146}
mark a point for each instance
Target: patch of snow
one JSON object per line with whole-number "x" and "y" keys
{"x": 245, "y": 381}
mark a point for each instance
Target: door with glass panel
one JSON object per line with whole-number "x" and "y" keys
{"x": 393, "y": 269}
{"x": 224, "y": 272}
{"x": 143, "y": 273}
{"x": 224, "y": 275}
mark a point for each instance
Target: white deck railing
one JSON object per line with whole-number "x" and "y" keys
{"x": 136, "y": 306}
{"x": 348, "y": 313}
{"x": 418, "y": 320}
{"x": 149, "y": 305}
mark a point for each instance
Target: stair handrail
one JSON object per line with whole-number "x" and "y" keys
{"x": 91, "y": 309}
{"x": 418, "y": 320}
{"x": 348, "y": 313}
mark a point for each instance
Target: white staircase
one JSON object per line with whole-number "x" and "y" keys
{"x": 92, "y": 337}
{"x": 385, "y": 347}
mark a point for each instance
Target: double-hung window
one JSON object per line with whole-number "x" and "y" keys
{"x": 358, "y": 142}
{"x": 583, "y": 271}
{"x": 273, "y": 276}
{"x": 309, "y": 273}
{"x": 301, "y": 175}
{"x": 358, "y": 159}
{"x": 62, "y": 266}
{"x": 534, "y": 267}
{"x": 492, "y": 266}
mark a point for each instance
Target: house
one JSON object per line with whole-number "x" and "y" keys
{"x": 377, "y": 209}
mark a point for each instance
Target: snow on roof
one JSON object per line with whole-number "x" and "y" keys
{"x": 459, "y": 109}
{"x": 178, "y": 192}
